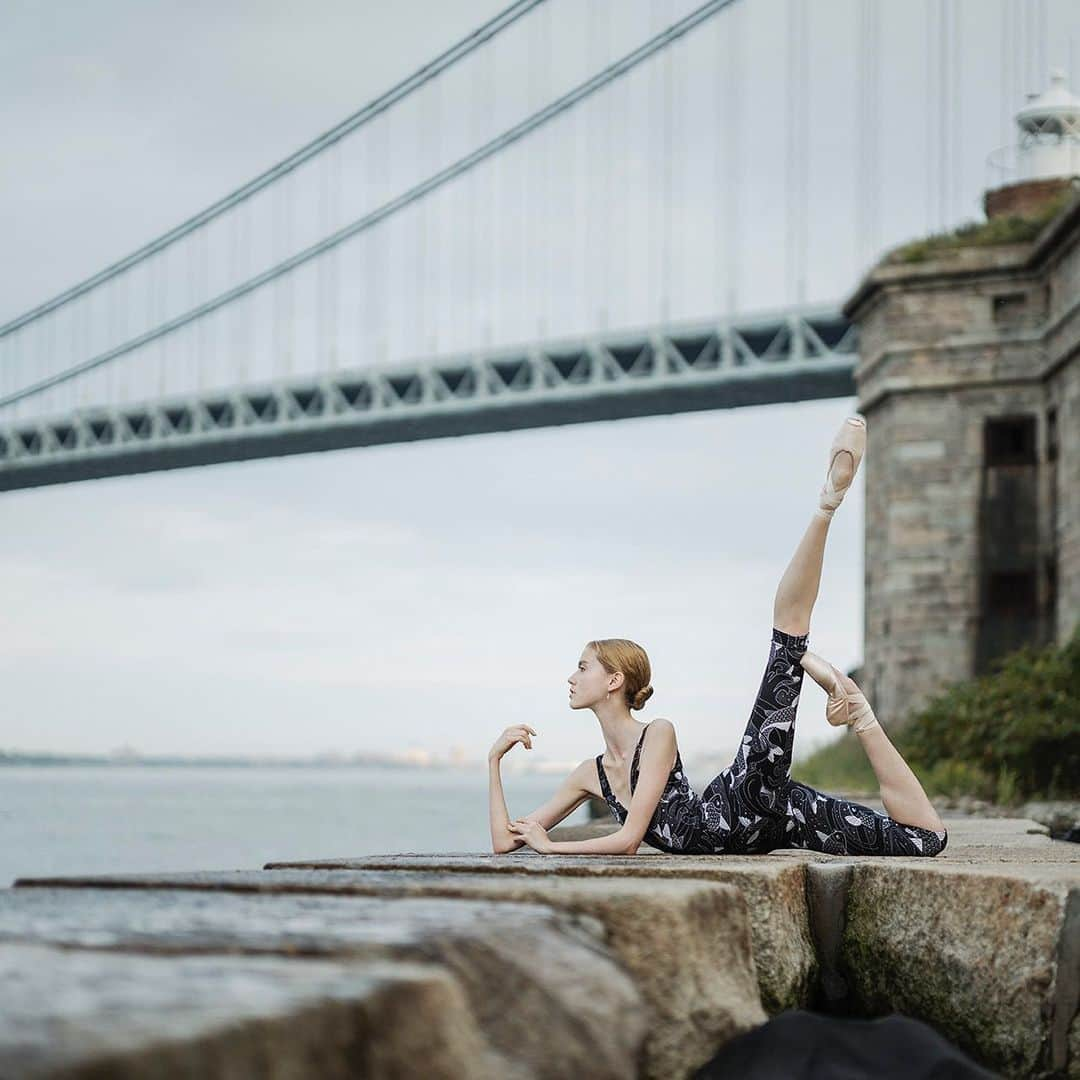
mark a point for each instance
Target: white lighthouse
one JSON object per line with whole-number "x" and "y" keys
{"x": 1046, "y": 158}
{"x": 1050, "y": 133}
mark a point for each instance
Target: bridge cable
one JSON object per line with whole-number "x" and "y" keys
{"x": 421, "y": 76}
{"x": 418, "y": 191}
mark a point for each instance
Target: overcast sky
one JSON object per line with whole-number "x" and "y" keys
{"x": 420, "y": 596}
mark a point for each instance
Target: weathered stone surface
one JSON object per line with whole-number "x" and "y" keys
{"x": 81, "y": 1014}
{"x": 774, "y": 889}
{"x": 687, "y": 944}
{"x": 989, "y": 956}
{"x": 545, "y": 964}
{"x": 996, "y": 911}
{"x": 775, "y": 892}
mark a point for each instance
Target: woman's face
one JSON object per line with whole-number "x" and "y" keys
{"x": 589, "y": 682}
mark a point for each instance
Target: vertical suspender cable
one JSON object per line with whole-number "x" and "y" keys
{"x": 420, "y": 316}
{"x": 928, "y": 119}
{"x": 790, "y": 46}
{"x": 957, "y": 138}
{"x": 796, "y": 150}
{"x": 668, "y": 221}
{"x": 734, "y": 16}
{"x": 943, "y": 105}
{"x": 1005, "y": 63}
{"x": 594, "y": 162}
{"x": 803, "y": 176}
{"x": 436, "y": 137}
{"x": 545, "y": 201}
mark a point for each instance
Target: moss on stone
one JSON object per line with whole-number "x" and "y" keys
{"x": 1013, "y": 229}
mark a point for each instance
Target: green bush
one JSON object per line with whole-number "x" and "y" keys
{"x": 1010, "y": 735}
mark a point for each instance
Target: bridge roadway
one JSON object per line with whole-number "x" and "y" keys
{"x": 794, "y": 355}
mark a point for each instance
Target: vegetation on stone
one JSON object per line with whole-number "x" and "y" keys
{"x": 1013, "y": 229}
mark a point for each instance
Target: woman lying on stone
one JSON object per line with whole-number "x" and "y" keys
{"x": 753, "y": 806}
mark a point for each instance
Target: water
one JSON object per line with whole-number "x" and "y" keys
{"x": 98, "y": 819}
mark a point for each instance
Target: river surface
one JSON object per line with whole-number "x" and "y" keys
{"x": 99, "y": 819}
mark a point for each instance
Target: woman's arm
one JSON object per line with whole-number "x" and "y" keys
{"x": 502, "y": 839}
{"x": 656, "y": 762}
{"x": 570, "y": 794}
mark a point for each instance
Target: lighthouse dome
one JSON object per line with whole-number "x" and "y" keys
{"x": 1054, "y": 112}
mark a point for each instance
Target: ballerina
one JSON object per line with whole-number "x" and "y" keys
{"x": 752, "y": 806}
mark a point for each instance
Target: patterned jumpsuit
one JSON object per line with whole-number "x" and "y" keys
{"x": 753, "y": 806}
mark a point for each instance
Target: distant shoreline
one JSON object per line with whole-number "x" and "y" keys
{"x": 23, "y": 758}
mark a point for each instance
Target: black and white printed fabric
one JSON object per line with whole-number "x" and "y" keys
{"x": 753, "y": 806}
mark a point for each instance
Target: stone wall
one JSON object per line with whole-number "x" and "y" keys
{"x": 969, "y": 552}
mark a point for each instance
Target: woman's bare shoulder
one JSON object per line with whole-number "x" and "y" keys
{"x": 665, "y": 733}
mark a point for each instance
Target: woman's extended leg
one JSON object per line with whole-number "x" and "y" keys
{"x": 901, "y": 791}
{"x": 827, "y": 823}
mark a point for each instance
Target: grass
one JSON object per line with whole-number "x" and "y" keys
{"x": 1000, "y": 230}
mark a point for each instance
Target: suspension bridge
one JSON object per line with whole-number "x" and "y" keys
{"x": 578, "y": 212}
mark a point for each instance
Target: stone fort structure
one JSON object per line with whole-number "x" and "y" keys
{"x": 969, "y": 377}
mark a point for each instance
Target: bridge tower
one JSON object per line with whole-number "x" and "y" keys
{"x": 969, "y": 376}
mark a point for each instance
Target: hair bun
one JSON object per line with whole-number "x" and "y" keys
{"x": 641, "y": 697}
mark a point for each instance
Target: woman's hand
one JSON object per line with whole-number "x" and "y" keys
{"x": 516, "y": 733}
{"x": 533, "y": 833}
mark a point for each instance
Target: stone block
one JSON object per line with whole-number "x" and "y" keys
{"x": 989, "y": 956}
{"x": 775, "y": 892}
{"x": 80, "y": 1014}
{"x": 541, "y": 987}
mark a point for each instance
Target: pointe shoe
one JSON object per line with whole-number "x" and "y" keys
{"x": 845, "y": 706}
{"x": 851, "y": 440}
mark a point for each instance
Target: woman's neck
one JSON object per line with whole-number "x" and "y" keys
{"x": 621, "y": 731}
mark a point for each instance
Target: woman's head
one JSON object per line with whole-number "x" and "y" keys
{"x": 611, "y": 665}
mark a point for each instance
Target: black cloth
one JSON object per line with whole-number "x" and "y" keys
{"x": 802, "y": 1045}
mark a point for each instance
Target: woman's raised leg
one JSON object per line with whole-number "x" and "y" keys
{"x": 747, "y": 802}
{"x": 798, "y": 588}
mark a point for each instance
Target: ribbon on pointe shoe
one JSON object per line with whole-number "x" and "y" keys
{"x": 843, "y": 707}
